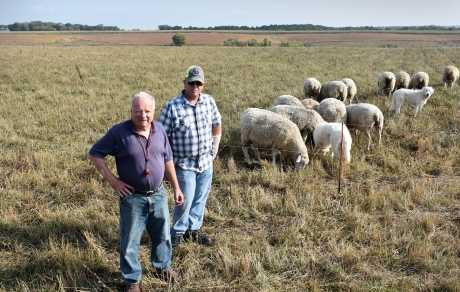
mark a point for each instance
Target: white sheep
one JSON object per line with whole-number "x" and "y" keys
{"x": 305, "y": 119}
{"x": 333, "y": 135}
{"x": 334, "y": 89}
{"x": 450, "y": 74}
{"x": 287, "y": 99}
{"x": 310, "y": 103}
{"x": 332, "y": 110}
{"x": 365, "y": 117}
{"x": 386, "y": 83}
{"x": 402, "y": 80}
{"x": 351, "y": 88}
{"x": 268, "y": 130}
{"x": 419, "y": 80}
{"x": 418, "y": 98}
{"x": 311, "y": 88}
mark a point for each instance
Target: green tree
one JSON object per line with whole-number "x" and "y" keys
{"x": 179, "y": 39}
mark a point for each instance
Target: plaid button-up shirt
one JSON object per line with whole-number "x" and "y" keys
{"x": 190, "y": 130}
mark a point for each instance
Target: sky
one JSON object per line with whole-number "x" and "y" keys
{"x": 149, "y": 14}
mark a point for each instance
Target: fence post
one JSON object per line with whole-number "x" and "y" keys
{"x": 340, "y": 158}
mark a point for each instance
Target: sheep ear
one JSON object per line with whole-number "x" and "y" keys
{"x": 298, "y": 158}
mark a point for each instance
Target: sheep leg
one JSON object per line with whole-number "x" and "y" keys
{"x": 256, "y": 153}
{"x": 246, "y": 155}
{"x": 304, "y": 136}
{"x": 281, "y": 157}
{"x": 274, "y": 153}
{"x": 315, "y": 150}
{"x": 379, "y": 134}
{"x": 368, "y": 139}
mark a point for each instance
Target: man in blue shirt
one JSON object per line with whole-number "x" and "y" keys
{"x": 193, "y": 125}
{"x": 143, "y": 159}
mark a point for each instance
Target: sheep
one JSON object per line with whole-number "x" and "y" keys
{"x": 402, "y": 79}
{"x": 419, "y": 80}
{"x": 265, "y": 129}
{"x": 450, "y": 74}
{"x": 311, "y": 88}
{"x": 327, "y": 135}
{"x": 351, "y": 88}
{"x": 310, "y": 103}
{"x": 386, "y": 83}
{"x": 418, "y": 98}
{"x": 335, "y": 89}
{"x": 332, "y": 110}
{"x": 305, "y": 119}
{"x": 287, "y": 99}
{"x": 365, "y": 117}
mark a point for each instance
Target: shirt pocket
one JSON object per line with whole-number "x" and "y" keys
{"x": 182, "y": 125}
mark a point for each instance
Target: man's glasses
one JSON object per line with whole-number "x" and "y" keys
{"x": 197, "y": 83}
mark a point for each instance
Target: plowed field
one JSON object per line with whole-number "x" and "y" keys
{"x": 217, "y": 38}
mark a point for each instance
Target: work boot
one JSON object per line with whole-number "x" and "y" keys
{"x": 177, "y": 240}
{"x": 133, "y": 288}
{"x": 198, "y": 237}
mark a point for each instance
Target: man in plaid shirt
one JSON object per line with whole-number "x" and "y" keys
{"x": 193, "y": 125}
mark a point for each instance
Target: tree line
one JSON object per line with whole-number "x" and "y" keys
{"x": 52, "y": 26}
{"x": 287, "y": 27}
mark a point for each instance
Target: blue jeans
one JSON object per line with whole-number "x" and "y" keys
{"x": 136, "y": 213}
{"x": 195, "y": 186}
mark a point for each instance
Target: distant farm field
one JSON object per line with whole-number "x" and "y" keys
{"x": 218, "y": 38}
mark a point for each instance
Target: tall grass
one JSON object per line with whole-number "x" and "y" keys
{"x": 393, "y": 227}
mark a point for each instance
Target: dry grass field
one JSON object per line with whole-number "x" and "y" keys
{"x": 394, "y": 225}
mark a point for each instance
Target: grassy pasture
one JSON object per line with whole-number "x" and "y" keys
{"x": 395, "y": 225}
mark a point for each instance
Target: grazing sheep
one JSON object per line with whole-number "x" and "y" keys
{"x": 305, "y": 119}
{"x": 418, "y": 80}
{"x": 311, "y": 88}
{"x": 365, "y": 117}
{"x": 327, "y": 135}
{"x": 402, "y": 80}
{"x": 310, "y": 103}
{"x": 351, "y": 88}
{"x": 450, "y": 74}
{"x": 335, "y": 89}
{"x": 265, "y": 129}
{"x": 386, "y": 83}
{"x": 418, "y": 98}
{"x": 332, "y": 110}
{"x": 287, "y": 99}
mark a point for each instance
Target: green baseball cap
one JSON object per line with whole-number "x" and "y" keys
{"x": 194, "y": 73}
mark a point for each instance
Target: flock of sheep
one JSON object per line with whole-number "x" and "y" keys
{"x": 323, "y": 115}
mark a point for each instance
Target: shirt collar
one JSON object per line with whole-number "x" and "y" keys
{"x": 133, "y": 129}
{"x": 185, "y": 101}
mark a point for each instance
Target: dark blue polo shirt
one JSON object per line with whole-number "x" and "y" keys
{"x": 122, "y": 142}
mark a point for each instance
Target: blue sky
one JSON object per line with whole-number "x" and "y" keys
{"x": 148, "y": 14}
